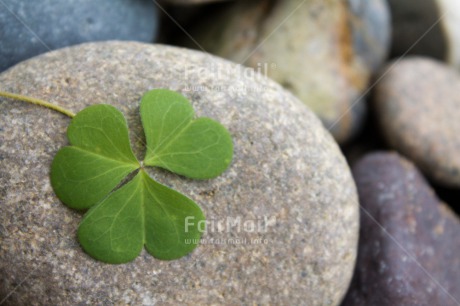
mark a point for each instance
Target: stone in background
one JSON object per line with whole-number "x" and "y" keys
{"x": 28, "y": 28}
{"x": 417, "y": 104}
{"x": 408, "y": 245}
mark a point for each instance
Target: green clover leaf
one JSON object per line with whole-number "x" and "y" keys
{"x": 175, "y": 141}
{"x": 122, "y": 219}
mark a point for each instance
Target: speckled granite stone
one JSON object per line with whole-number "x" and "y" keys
{"x": 286, "y": 166}
{"x": 418, "y": 108}
{"x": 322, "y": 51}
{"x": 409, "y": 241}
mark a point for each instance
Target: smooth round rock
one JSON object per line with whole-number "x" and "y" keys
{"x": 322, "y": 51}
{"x": 409, "y": 243}
{"x": 28, "y": 28}
{"x": 286, "y": 168}
{"x": 417, "y": 105}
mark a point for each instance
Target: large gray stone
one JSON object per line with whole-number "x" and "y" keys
{"x": 286, "y": 167}
{"x": 28, "y": 28}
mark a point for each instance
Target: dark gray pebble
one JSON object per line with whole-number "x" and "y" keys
{"x": 409, "y": 244}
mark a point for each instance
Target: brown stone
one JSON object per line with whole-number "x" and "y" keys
{"x": 417, "y": 105}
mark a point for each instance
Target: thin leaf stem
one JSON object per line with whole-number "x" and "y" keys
{"x": 37, "y": 102}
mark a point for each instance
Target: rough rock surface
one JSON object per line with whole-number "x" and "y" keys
{"x": 28, "y": 29}
{"x": 409, "y": 243}
{"x": 417, "y": 105}
{"x": 322, "y": 51}
{"x": 286, "y": 167}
